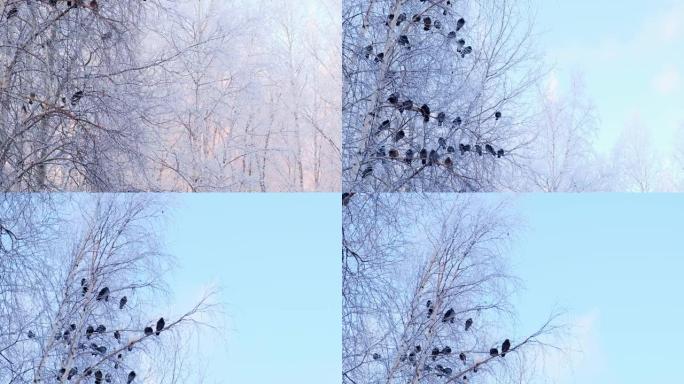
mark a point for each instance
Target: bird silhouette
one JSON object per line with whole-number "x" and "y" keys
{"x": 460, "y": 23}
{"x": 505, "y": 347}
{"x": 493, "y": 352}
{"x": 409, "y": 156}
{"x": 103, "y": 294}
{"x": 399, "y": 135}
{"x": 148, "y": 331}
{"x": 500, "y": 153}
{"x": 123, "y": 302}
{"x": 468, "y": 323}
{"x": 449, "y": 316}
{"x": 131, "y": 377}
{"x": 462, "y": 356}
{"x": 425, "y": 111}
{"x": 427, "y": 23}
{"x": 435, "y": 353}
{"x": 160, "y": 325}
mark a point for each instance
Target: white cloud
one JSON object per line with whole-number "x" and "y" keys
{"x": 667, "y": 81}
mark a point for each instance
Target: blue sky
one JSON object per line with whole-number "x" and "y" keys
{"x": 630, "y": 54}
{"x": 276, "y": 259}
{"x": 614, "y": 263}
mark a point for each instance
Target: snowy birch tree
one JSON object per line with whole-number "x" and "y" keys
{"x": 425, "y": 292}
{"x": 79, "y": 293}
{"x": 432, "y": 93}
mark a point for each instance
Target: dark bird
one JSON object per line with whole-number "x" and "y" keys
{"x": 101, "y": 329}
{"x": 462, "y": 356}
{"x": 500, "y": 153}
{"x": 376, "y": 356}
{"x": 490, "y": 149}
{"x": 98, "y": 375}
{"x": 409, "y": 156}
{"x": 450, "y": 315}
{"x": 497, "y": 115}
{"x": 448, "y": 162}
{"x": 30, "y": 334}
{"x": 451, "y": 149}
{"x": 478, "y": 149}
{"x": 404, "y": 40}
{"x": 460, "y": 23}
{"x": 463, "y": 148}
{"x": 123, "y": 302}
{"x": 461, "y": 44}
{"x": 441, "y": 142}
{"x": 131, "y": 377}
{"x": 381, "y": 152}
{"x": 451, "y": 35}
{"x": 429, "y": 303}
{"x": 447, "y": 371}
{"x": 93, "y": 5}
{"x": 117, "y": 335}
{"x": 425, "y": 111}
{"x": 407, "y": 105}
{"x": 103, "y": 294}
{"x": 423, "y": 156}
{"x": 84, "y": 290}
{"x": 160, "y": 325}
{"x": 379, "y": 57}
{"x": 457, "y": 121}
{"x": 412, "y": 357}
{"x": 399, "y": 135}
{"x": 393, "y": 153}
{"x": 390, "y": 17}
{"x": 401, "y": 18}
{"x": 427, "y": 23}
{"x": 368, "y": 50}
{"x": 433, "y": 158}
{"x": 418, "y": 348}
{"x": 76, "y": 97}
{"x": 148, "y": 331}
{"x": 438, "y": 24}
{"x": 367, "y": 172}
{"x": 393, "y": 98}
{"x": 384, "y": 125}
{"x": 430, "y": 311}
{"x": 468, "y": 323}
{"x": 346, "y": 196}
{"x": 83, "y": 282}
{"x": 505, "y": 347}
{"x": 435, "y": 353}
{"x": 416, "y": 18}
{"x": 73, "y": 327}
{"x": 466, "y": 51}
{"x": 89, "y": 331}
{"x": 440, "y": 118}
{"x": 446, "y": 350}
{"x": 493, "y": 352}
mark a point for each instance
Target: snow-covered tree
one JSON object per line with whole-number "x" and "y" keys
{"x": 432, "y": 93}
{"x": 81, "y": 287}
{"x": 186, "y": 95}
{"x": 562, "y": 157}
{"x": 425, "y": 292}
